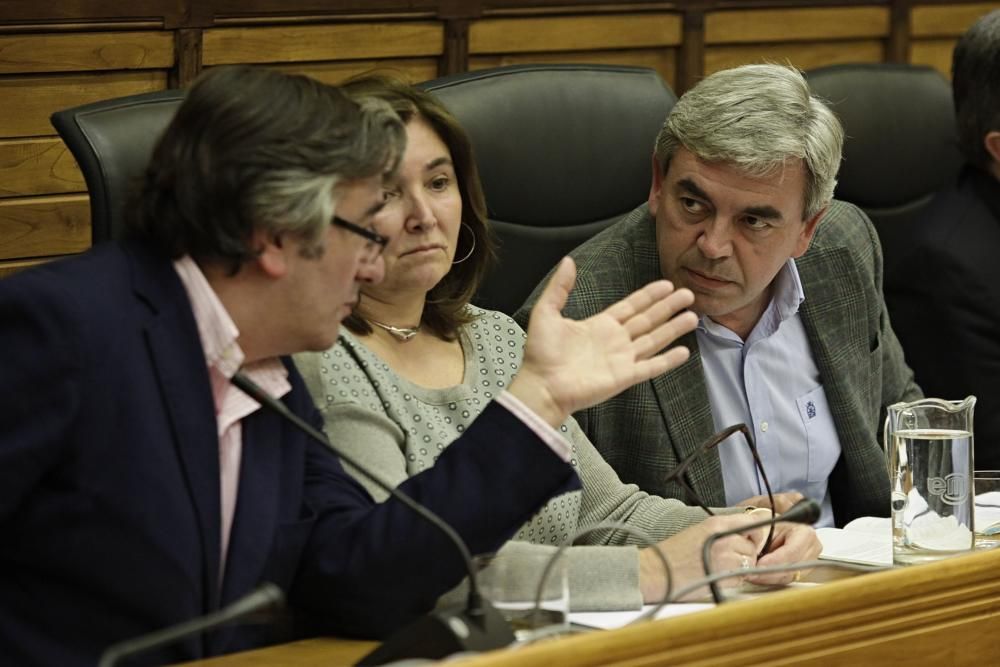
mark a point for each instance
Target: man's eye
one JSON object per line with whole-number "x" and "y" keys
{"x": 756, "y": 224}
{"x": 692, "y": 206}
{"x": 389, "y": 194}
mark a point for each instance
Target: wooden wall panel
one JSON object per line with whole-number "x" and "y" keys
{"x": 29, "y": 101}
{"x": 936, "y": 28}
{"x": 802, "y": 56}
{"x": 574, "y": 33}
{"x": 39, "y": 226}
{"x": 10, "y": 268}
{"x": 34, "y": 53}
{"x": 795, "y": 25}
{"x": 413, "y": 70}
{"x": 663, "y": 61}
{"x": 37, "y": 166}
{"x": 306, "y": 43}
{"x": 947, "y": 20}
{"x": 935, "y": 53}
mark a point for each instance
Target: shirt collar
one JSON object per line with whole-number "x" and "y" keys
{"x": 216, "y": 328}
{"x": 786, "y": 297}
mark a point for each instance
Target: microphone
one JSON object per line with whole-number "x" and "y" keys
{"x": 265, "y": 598}
{"x": 805, "y": 511}
{"x": 476, "y": 626}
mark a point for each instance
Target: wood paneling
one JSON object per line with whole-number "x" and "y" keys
{"x": 413, "y": 70}
{"x": 37, "y": 166}
{"x": 795, "y": 25}
{"x": 663, "y": 61}
{"x": 38, "y": 226}
{"x": 304, "y": 43}
{"x": 802, "y": 56}
{"x": 574, "y": 33}
{"x": 8, "y": 268}
{"x": 29, "y": 101}
{"x": 949, "y": 20}
{"x": 22, "y": 54}
{"x": 933, "y": 52}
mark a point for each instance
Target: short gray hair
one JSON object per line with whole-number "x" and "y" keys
{"x": 757, "y": 117}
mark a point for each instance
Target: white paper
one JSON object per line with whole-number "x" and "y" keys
{"x": 609, "y": 620}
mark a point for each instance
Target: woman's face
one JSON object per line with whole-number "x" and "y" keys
{"x": 423, "y": 216}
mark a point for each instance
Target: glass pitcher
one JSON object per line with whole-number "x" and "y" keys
{"x": 929, "y": 451}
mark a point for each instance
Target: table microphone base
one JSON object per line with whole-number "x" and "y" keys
{"x": 443, "y": 632}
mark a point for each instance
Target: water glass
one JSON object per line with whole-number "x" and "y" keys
{"x": 510, "y": 581}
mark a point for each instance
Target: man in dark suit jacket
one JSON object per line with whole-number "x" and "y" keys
{"x": 139, "y": 488}
{"x": 793, "y": 339}
{"x": 944, "y": 293}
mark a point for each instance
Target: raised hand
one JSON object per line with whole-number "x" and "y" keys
{"x": 570, "y": 365}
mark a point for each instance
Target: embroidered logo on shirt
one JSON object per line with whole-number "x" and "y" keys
{"x": 810, "y": 410}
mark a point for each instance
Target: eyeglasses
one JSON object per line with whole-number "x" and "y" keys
{"x": 677, "y": 474}
{"x": 375, "y": 243}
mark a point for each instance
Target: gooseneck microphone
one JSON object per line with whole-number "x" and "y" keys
{"x": 805, "y": 511}
{"x": 266, "y": 598}
{"x": 476, "y": 626}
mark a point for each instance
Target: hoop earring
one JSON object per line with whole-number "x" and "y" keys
{"x": 472, "y": 249}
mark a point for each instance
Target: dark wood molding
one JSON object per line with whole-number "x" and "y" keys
{"x": 188, "y": 45}
{"x": 897, "y": 48}
{"x": 456, "y": 47}
{"x": 691, "y": 55}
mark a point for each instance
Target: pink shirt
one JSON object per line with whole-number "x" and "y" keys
{"x": 224, "y": 357}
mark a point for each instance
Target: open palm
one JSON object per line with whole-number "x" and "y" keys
{"x": 575, "y": 364}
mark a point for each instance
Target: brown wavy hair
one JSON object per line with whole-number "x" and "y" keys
{"x": 445, "y": 311}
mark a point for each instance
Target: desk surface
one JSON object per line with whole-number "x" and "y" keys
{"x": 945, "y": 613}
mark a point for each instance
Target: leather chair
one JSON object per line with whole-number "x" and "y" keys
{"x": 112, "y": 141}
{"x": 563, "y": 151}
{"x": 901, "y": 144}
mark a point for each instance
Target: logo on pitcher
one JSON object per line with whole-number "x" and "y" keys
{"x": 953, "y": 489}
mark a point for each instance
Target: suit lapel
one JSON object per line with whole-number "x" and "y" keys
{"x": 681, "y": 393}
{"x": 175, "y": 349}
{"x": 256, "y": 506}
{"x": 683, "y": 400}
{"x": 835, "y": 320}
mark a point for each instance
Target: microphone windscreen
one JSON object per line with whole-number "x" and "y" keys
{"x": 806, "y": 510}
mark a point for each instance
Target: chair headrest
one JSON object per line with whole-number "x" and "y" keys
{"x": 899, "y": 120}
{"x": 112, "y": 141}
{"x": 560, "y": 144}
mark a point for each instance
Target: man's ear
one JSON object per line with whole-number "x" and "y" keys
{"x": 272, "y": 254}
{"x": 655, "y": 187}
{"x": 992, "y": 144}
{"x": 807, "y": 233}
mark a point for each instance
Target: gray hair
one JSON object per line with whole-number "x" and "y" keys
{"x": 252, "y": 149}
{"x": 757, "y": 117}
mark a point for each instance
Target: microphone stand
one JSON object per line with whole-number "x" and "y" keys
{"x": 477, "y": 626}
{"x": 267, "y": 596}
{"x": 805, "y": 511}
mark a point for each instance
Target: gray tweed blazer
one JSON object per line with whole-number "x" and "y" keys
{"x": 644, "y": 431}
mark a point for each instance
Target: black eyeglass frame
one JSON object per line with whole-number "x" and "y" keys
{"x": 375, "y": 240}
{"x": 677, "y": 474}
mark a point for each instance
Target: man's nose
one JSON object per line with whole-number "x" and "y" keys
{"x": 715, "y": 240}
{"x": 371, "y": 272}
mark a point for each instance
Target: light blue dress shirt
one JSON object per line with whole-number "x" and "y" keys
{"x": 771, "y": 383}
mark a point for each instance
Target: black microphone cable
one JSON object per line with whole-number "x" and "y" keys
{"x": 805, "y": 511}
{"x": 434, "y": 639}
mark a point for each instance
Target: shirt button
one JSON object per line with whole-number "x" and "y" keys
{"x": 763, "y": 427}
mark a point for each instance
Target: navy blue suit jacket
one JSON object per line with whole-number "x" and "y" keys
{"x": 109, "y": 482}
